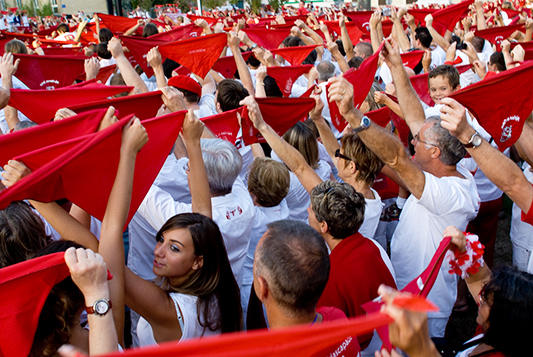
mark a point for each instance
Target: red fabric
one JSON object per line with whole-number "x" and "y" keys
{"x": 385, "y": 186}
{"x": 227, "y": 66}
{"x": 357, "y": 270}
{"x": 348, "y": 347}
{"x": 103, "y": 74}
{"x": 45, "y": 103}
{"x": 269, "y": 39}
{"x": 448, "y": 17}
{"x": 360, "y": 18}
{"x": 309, "y": 91}
{"x": 528, "y": 218}
{"x": 41, "y": 72}
{"x": 420, "y": 286}
{"x": 34, "y": 138}
{"x": 293, "y": 109}
{"x": 198, "y": 54}
{"x": 117, "y": 24}
{"x": 420, "y": 14}
{"x": 210, "y": 20}
{"x": 498, "y": 106}
{"x": 386, "y": 26}
{"x": 496, "y": 35}
{"x": 139, "y": 48}
{"x": 294, "y": 55}
{"x": 511, "y": 13}
{"x": 144, "y": 105}
{"x": 400, "y": 125}
{"x": 420, "y": 84}
{"x": 412, "y": 59}
{"x": 353, "y": 30}
{"x": 24, "y": 289}
{"x": 75, "y": 176}
{"x": 380, "y": 116}
{"x": 224, "y": 125}
{"x": 300, "y": 340}
{"x": 64, "y": 51}
{"x": 178, "y": 33}
{"x": 362, "y": 79}
{"x": 286, "y": 76}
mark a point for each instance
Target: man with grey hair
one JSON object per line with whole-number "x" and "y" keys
{"x": 442, "y": 192}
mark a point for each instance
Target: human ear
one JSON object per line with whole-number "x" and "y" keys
{"x": 198, "y": 263}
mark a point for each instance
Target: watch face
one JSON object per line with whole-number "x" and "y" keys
{"x": 476, "y": 141}
{"x": 366, "y": 121}
{"x": 101, "y": 307}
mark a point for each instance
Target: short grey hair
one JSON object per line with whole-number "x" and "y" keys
{"x": 325, "y": 70}
{"x": 451, "y": 149}
{"x": 223, "y": 164}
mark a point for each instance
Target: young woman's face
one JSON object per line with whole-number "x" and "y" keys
{"x": 174, "y": 256}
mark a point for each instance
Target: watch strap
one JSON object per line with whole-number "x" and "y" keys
{"x": 365, "y": 123}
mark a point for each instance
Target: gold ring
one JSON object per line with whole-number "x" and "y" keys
{"x": 343, "y": 90}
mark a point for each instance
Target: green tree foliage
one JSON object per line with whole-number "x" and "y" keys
{"x": 276, "y": 4}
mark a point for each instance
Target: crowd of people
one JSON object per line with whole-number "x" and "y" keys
{"x": 258, "y": 217}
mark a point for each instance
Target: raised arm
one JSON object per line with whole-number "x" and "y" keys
{"x": 376, "y": 31}
{"x": 7, "y": 69}
{"x": 81, "y": 28}
{"x": 244, "y": 72}
{"x": 385, "y": 145}
{"x": 290, "y": 156}
{"x": 407, "y": 97}
{"x": 134, "y": 28}
{"x": 131, "y": 77}
{"x": 498, "y": 168}
{"x": 439, "y": 40}
{"x": 328, "y": 138}
{"x": 88, "y": 271}
{"x": 480, "y": 17}
{"x": 198, "y": 183}
{"x": 334, "y": 49}
{"x": 155, "y": 61}
{"x": 345, "y": 37}
{"x": 397, "y": 29}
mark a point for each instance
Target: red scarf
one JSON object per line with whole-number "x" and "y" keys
{"x": 498, "y": 106}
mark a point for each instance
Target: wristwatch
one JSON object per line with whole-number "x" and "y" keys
{"x": 99, "y": 308}
{"x": 474, "y": 141}
{"x": 365, "y": 123}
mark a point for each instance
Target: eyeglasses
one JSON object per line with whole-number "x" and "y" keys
{"x": 417, "y": 138}
{"x": 482, "y": 297}
{"x": 338, "y": 154}
{"x": 186, "y": 167}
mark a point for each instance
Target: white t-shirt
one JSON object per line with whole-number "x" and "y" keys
{"x": 186, "y": 307}
{"x": 522, "y": 232}
{"x": 445, "y": 201}
{"x": 263, "y": 216}
{"x": 17, "y": 83}
{"x": 207, "y": 106}
{"x": 298, "y": 198}
{"x": 373, "y": 210}
{"x": 233, "y": 213}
